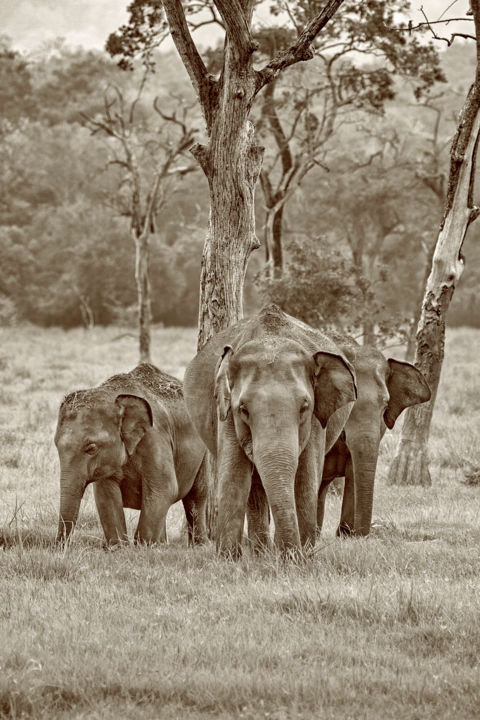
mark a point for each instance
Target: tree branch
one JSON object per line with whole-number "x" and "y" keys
{"x": 202, "y": 82}
{"x": 301, "y": 49}
{"x": 237, "y": 26}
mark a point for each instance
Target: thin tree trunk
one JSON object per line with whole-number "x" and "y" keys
{"x": 277, "y": 250}
{"x": 86, "y": 312}
{"x": 368, "y": 332}
{"x": 273, "y": 243}
{"x": 410, "y": 465}
{"x": 143, "y": 295}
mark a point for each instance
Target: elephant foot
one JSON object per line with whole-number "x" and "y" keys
{"x": 197, "y": 539}
{"x": 230, "y": 551}
{"x": 114, "y": 545}
{"x": 344, "y": 530}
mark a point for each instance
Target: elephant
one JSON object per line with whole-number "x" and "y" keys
{"x": 133, "y": 439}
{"x": 385, "y": 388}
{"x": 260, "y": 395}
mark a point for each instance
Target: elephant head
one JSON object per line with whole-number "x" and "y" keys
{"x": 269, "y": 391}
{"x": 96, "y": 434}
{"x": 385, "y": 389}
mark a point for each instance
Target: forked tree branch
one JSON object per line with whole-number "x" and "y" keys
{"x": 301, "y": 49}
{"x": 187, "y": 50}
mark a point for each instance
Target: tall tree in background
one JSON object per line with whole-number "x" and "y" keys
{"x": 410, "y": 465}
{"x": 147, "y": 159}
{"x": 303, "y": 112}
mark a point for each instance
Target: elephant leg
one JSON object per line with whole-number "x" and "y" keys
{"x": 108, "y": 499}
{"x": 347, "y": 518}
{"x": 258, "y": 515}
{"x": 159, "y": 492}
{"x": 234, "y": 482}
{"x": 306, "y": 494}
{"x": 194, "y": 504}
{"x": 322, "y": 494}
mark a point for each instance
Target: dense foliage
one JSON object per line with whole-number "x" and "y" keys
{"x": 66, "y": 256}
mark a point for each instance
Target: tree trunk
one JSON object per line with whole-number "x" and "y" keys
{"x": 277, "y": 250}
{"x": 368, "y": 332}
{"x": 410, "y": 352}
{"x": 231, "y": 237}
{"x": 143, "y": 294}
{"x": 86, "y": 312}
{"x": 410, "y": 465}
{"x": 273, "y": 243}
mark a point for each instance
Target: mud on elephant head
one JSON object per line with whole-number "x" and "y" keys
{"x": 133, "y": 439}
{"x": 385, "y": 389}
{"x": 260, "y": 394}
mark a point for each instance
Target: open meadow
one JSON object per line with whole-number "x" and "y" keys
{"x": 384, "y": 627}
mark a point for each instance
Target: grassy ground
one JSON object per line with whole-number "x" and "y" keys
{"x": 384, "y": 627}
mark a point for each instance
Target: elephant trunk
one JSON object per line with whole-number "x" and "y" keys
{"x": 71, "y": 493}
{"x": 277, "y": 468}
{"x": 364, "y": 452}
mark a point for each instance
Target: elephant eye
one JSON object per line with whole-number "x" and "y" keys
{"x": 304, "y": 406}
{"x": 90, "y": 449}
{"x": 243, "y": 410}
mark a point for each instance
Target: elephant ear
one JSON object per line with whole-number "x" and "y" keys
{"x": 406, "y": 386}
{"x": 222, "y": 384}
{"x": 334, "y": 385}
{"x": 136, "y": 419}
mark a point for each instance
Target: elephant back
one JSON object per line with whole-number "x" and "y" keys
{"x": 199, "y": 381}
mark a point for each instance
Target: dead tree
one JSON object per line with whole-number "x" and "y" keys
{"x": 410, "y": 465}
{"x": 142, "y": 191}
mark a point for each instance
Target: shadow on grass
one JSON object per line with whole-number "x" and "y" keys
{"x": 46, "y": 701}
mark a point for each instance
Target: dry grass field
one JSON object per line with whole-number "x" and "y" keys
{"x": 385, "y": 627}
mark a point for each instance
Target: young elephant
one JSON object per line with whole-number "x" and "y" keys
{"x": 385, "y": 389}
{"x": 260, "y": 395}
{"x": 132, "y": 437}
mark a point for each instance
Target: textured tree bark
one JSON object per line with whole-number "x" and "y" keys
{"x": 410, "y": 465}
{"x": 143, "y": 294}
{"x": 232, "y": 167}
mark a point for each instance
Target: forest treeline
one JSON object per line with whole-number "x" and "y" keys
{"x": 357, "y": 229}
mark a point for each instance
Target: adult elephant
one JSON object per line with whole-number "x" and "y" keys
{"x": 385, "y": 389}
{"x": 133, "y": 438}
{"x": 260, "y": 395}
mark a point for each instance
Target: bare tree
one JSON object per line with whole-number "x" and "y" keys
{"x": 432, "y": 175}
{"x": 147, "y": 159}
{"x": 410, "y": 465}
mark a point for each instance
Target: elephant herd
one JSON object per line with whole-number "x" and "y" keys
{"x": 283, "y": 408}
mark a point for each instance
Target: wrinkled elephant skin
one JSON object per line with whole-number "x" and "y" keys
{"x": 132, "y": 437}
{"x": 385, "y": 389}
{"x": 260, "y": 395}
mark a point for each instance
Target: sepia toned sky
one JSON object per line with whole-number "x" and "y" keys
{"x": 89, "y": 22}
